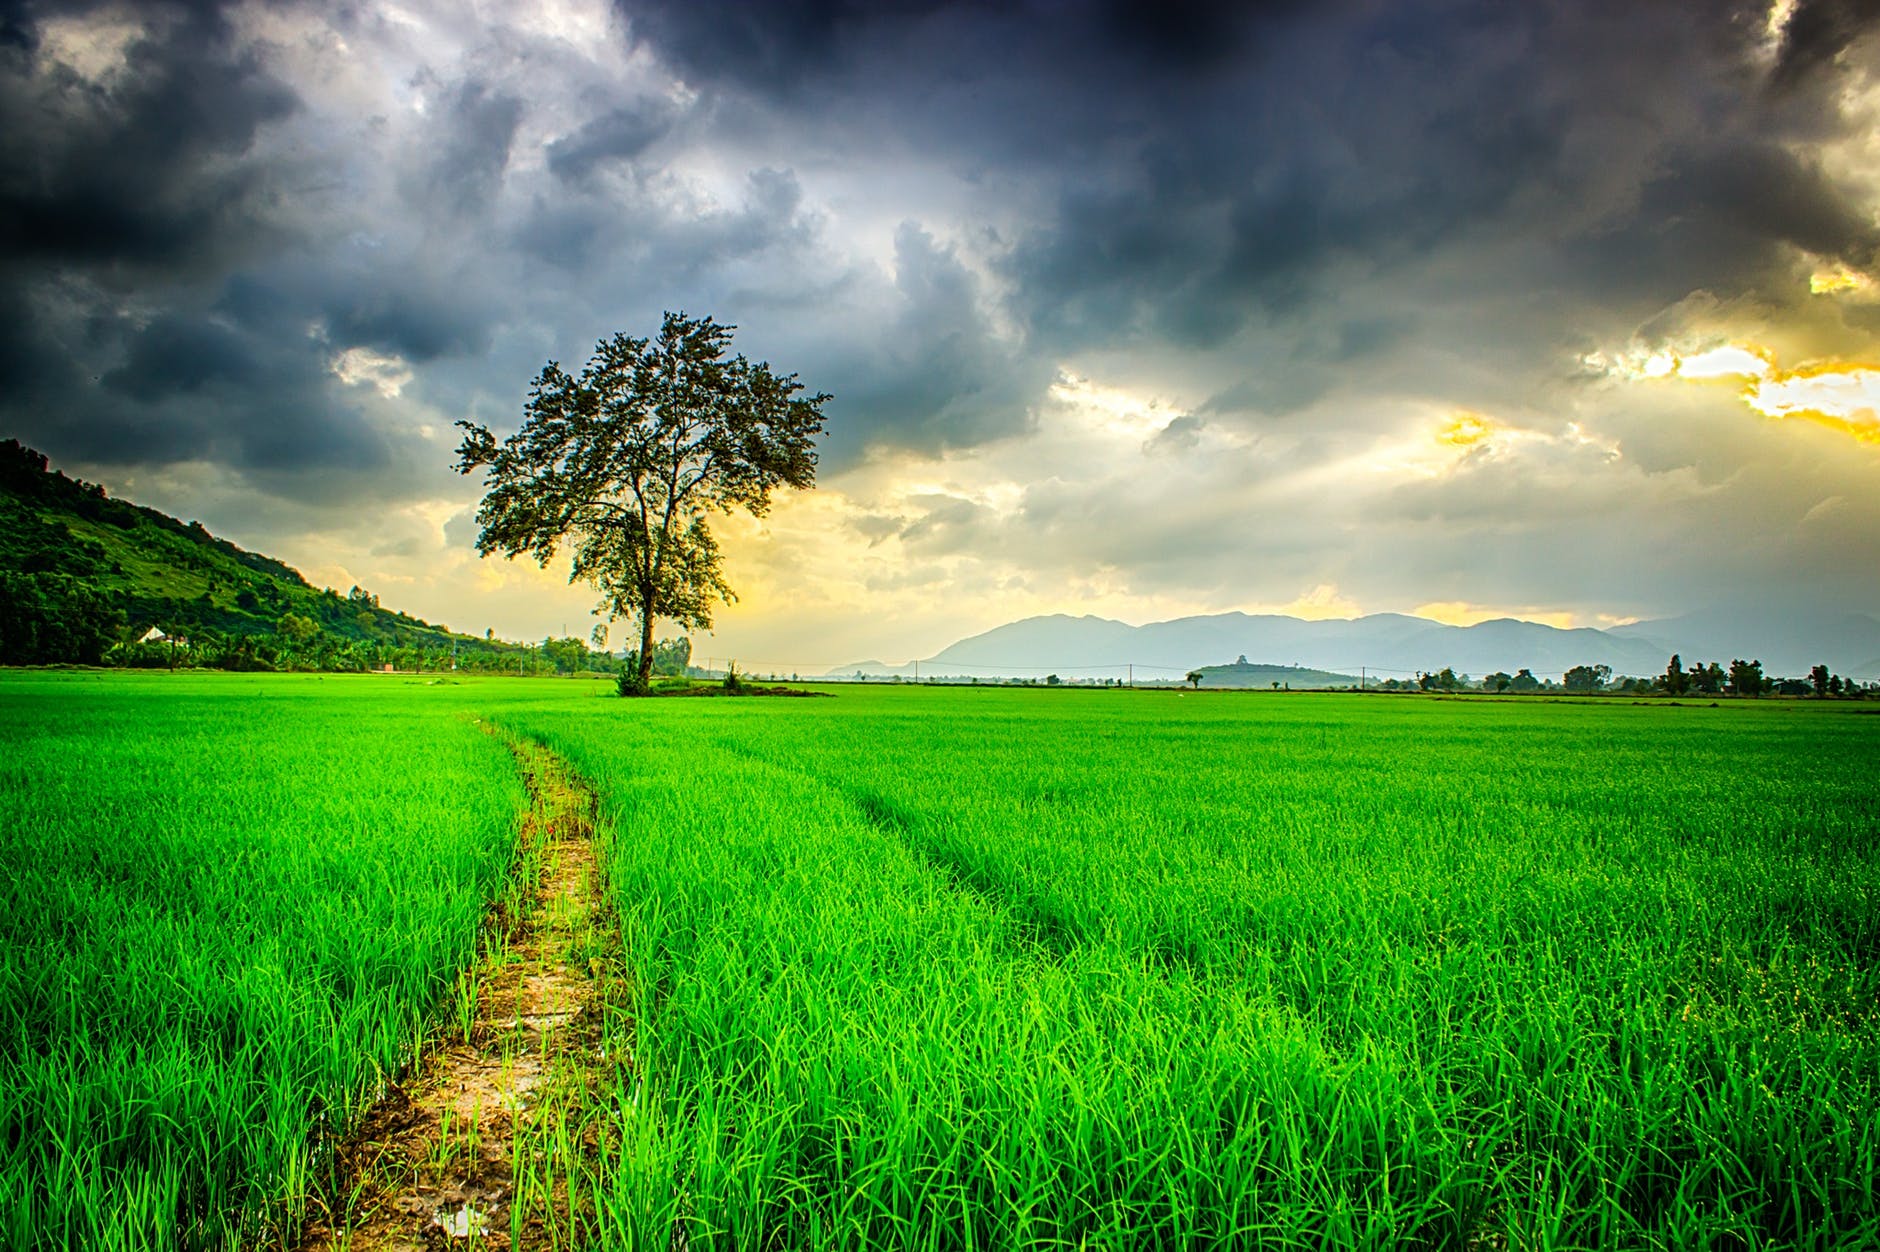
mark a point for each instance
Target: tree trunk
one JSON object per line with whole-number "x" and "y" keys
{"x": 646, "y": 650}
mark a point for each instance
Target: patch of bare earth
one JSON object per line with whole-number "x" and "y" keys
{"x": 490, "y": 1142}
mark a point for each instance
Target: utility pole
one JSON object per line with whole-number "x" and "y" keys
{"x": 1361, "y": 678}
{"x": 1132, "y": 673}
{"x": 917, "y": 671}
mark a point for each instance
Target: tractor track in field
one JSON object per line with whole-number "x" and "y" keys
{"x": 490, "y": 1140}
{"x": 1044, "y": 934}
{"x": 1043, "y": 931}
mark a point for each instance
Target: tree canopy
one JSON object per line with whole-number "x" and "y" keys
{"x": 626, "y": 461}
{"x": 1586, "y": 678}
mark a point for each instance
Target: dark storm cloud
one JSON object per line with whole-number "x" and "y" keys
{"x": 1816, "y": 33}
{"x": 1771, "y": 194}
{"x": 1187, "y": 35}
{"x": 935, "y": 377}
{"x": 230, "y": 376}
{"x": 1211, "y": 170}
{"x": 196, "y": 385}
{"x": 1263, "y": 189}
{"x": 175, "y": 355}
{"x": 125, "y": 201}
{"x": 175, "y": 303}
{"x": 770, "y": 47}
{"x": 1313, "y": 215}
{"x": 418, "y": 316}
{"x": 16, "y": 26}
{"x": 139, "y": 171}
{"x": 1111, "y": 261}
{"x": 1723, "y": 220}
{"x": 32, "y": 367}
{"x": 792, "y": 46}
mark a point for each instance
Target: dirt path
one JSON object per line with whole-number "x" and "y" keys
{"x": 493, "y": 1141}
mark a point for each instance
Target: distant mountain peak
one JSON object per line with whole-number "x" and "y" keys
{"x": 1389, "y": 644}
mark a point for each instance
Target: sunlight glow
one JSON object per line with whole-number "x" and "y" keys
{"x": 1463, "y": 613}
{"x": 1729, "y": 361}
{"x": 1323, "y": 603}
{"x": 1721, "y": 361}
{"x": 1841, "y": 395}
{"x": 1465, "y": 429}
{"x": 1837, "y": 281}
{"x": 1459, "y": 436}
{"x": 1111, "y": 410}
{"x": 1777, "y": 20}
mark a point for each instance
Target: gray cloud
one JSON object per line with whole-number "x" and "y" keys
{"x": 175, "y": 355}
{"x": 461, "y": 530}
{"x": 1305, "y": 220}
{"x": 142, "y": 173}
{"x": 194, "y": 385}
{"x": 419, "y": 315}
{"x": 1182, "y": 434}
{"x": 477, "y": 126}
{"x": 1203, "y": 174}
{"x": 1816, "y": 33}
{"x": 621, "y": 134}
{"x": 933, "y": 375}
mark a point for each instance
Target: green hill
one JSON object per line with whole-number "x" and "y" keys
{"x": 1245, "y": 673}
{"x": 83, "y": 576}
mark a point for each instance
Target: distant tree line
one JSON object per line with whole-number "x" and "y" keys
{"x": 1739, "y": 678}
{"x": 299, "y": 645}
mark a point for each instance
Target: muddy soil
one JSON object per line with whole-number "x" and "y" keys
{"x": 490, "y": 1142}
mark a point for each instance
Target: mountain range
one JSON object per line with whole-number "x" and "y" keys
{"x": 1385, "y": 645}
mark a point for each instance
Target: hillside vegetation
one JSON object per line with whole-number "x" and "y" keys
{"x": 82, "y": 574}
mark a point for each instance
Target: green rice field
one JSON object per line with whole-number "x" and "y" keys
{"x": 953, "y": 968}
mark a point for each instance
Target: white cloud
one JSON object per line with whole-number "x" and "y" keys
{"x": 385, "y": 372}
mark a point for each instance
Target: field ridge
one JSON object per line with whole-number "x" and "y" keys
{"x": 474, "y": 1145}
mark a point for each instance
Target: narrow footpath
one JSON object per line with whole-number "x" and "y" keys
{"x": 494, "y": 1140}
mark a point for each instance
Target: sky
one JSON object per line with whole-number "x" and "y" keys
{"x": 1559, "y": 310}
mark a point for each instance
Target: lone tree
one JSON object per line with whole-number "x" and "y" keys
{"x": 625, "y": 462}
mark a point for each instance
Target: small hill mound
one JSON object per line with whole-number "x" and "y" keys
{"x": 1245, "y": 673}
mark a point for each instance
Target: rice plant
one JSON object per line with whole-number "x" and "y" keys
{"x": 993, "y": 969}
{"x": 952, "y": 969}
{"x": 228, "y": 910}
